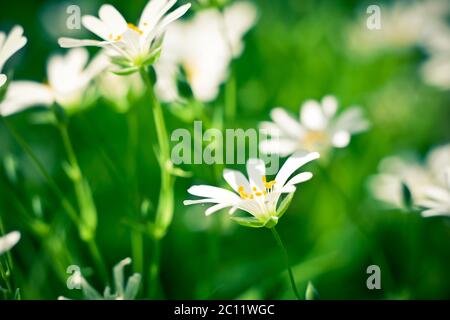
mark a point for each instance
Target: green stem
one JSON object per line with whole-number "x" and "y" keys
{"x": 70, "y": 210}
{"x": 154, "y": 269}
{"x": 98, "y": 260}
{"x": 164, "y": 212}
{"x": 4, "y": 274}
{"x": 83, "y": 193}
{"x": 137, "y": 241}
{"x": 286, "y": 258}
{"x": 230, "y": 98}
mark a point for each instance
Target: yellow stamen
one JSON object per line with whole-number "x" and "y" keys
{"x": 133, "y": 27}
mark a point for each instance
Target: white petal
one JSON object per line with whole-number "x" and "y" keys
{"x": 3, "y": 79}
{"x": 74, "y": 43}
{"x": 200, "y": 201}
{"x": 236, "y": 179}
{"x": 436, "y": 212}
{"x": 299, "y": 178}
{"x": 270, "y": 129}
{"x": 14, "y": 42}
{"x": 256, "y": 170}
{"x": 151, "y": 10}
{"x": 2, "y": 39}
{"x": 238, "y": 17}
{"x": 64, "y": 71}
{"x": 286, "y": 123}
{"x": 174, "y": 15}
{"x": 312, "y": 116}
{"x": 96, "y": 26}
{"x": 216, "y": 208}
{"x": 351, "y": 120}
{"x": 329, "y": 106}
{"x": 113, "y": 19}
{"x": 292, "y": 164}
{"x": 212, "y": 192}
{"x": 341, "y": 139}
{"x": 282, "y": 147}
{"x": 8, "y": 241}
{"x": 16, "y": 101}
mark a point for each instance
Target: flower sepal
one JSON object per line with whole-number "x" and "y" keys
{"x": 250, "y": 222}
{"x": 284, "y": 205}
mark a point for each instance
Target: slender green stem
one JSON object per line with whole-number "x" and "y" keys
{"x": 286, "y": 258}
{"x": 98, "y": 260}
{"x": 164, "y": 212}
{"x": 4, "y": 274}
{"x": 70, "y": 210}
{"x": 230, "y": 98}
{"x": 82, "y": 191}
{"x": 137, "y": 241}
{"x": 154, "y": 269}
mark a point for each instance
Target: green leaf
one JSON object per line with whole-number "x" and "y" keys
{"x": 284, "y": 205}
{"x": 250, "y": 222}
{"x": 311, "y": 292}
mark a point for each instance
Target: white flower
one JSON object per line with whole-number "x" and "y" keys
{"x": 123, "y": 290}
{"x": 436, "y": 69}
{"x": 257, "y": 196}
{"x": 428, "y": 184}
{"x": 437, "y": 199}
{"x": 119, "y": 90}
{"x": 403, "y": 25}
{"x": 204, "y": 46}
{"x": 69, "y": 77}
{"x": 317, "y": 129}
{"x": 8, "y": 46}
{"x": 129, "y": 45}
{"x": 8, "y": 241}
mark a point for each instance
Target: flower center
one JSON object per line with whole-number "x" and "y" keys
{"x": 114, "y": 38}
{"x": 191, "y": 72}
{"x": 268, "y": 187}
{"x": 314, "y": 138}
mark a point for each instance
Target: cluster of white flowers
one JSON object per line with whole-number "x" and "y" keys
{"x": 407, "y": 24}
{"x": 204, "y": 47}
{"x": 404, "y": 182}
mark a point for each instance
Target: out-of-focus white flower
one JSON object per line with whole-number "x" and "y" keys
{"x": 427, "y": 184}
{"x": 317, "y": 129}
{"x": 403, "y": 24}
{"x": 8, "y": 46}
{"x": 68, "y": 75}
{"x": 130, "y": 46}
{"x": 124, "y": 291}
{"x": 120, "y": 90}
{"x": 255, "y": 195}
{"x": 436, "y": 70}
{"x": 8, "y": 241}
{"x": 204, "y": 46}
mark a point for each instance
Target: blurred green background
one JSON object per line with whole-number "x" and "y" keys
{"x": 298, "y": 50}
